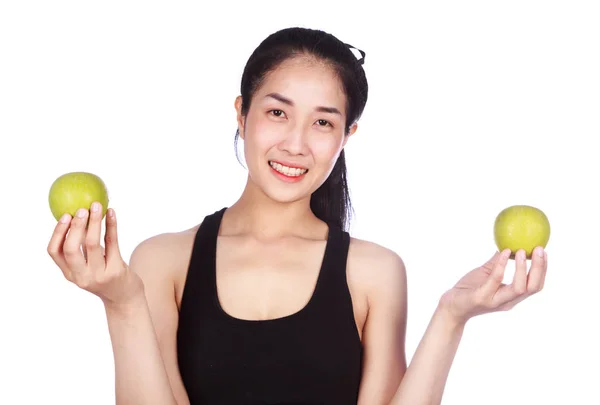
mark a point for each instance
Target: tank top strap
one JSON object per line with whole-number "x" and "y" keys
{"x": 337, "y": 251}
{"x": 332, "y": 288}
{"x": 200, "y": 285}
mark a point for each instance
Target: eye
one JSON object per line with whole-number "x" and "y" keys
{"x": 324, "y": 123}
{"x": 277, "y": 113}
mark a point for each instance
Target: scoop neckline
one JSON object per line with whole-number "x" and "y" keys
{"x": 299, "y": 313}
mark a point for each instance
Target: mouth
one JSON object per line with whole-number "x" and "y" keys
{"x": 288, "y": 171}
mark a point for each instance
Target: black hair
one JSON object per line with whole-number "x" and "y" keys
{"x": 331, "y": 201}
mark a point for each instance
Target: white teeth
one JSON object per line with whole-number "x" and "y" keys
{"x": 288, "y": 171}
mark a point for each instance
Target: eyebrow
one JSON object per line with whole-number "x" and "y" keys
{"x": 279, "y": 97}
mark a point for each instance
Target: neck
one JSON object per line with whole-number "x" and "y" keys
{"x": 256, "y": 214}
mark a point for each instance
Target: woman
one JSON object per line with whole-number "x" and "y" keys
{"x": 270, "y": 300}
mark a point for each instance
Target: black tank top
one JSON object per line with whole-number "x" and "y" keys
{"x": 311, "y": 357}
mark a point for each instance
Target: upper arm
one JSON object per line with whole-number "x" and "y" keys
{"x": 152, "y": 260}
{"x": 384, "y": 332}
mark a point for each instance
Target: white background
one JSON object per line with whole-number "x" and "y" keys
{"x": 473, "y": 106}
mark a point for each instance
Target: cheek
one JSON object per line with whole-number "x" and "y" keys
{"x": 258, "y": 135}
{"x": 326, "y": 148}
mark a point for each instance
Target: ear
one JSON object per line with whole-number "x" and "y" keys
{"x": 353, "y": 129}
{"x": 240, "y": 117}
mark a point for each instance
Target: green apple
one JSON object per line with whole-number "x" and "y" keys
{"x": 521, "y": 227}
{"x": 75, "y": 190}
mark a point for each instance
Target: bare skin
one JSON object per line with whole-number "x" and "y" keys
{"x": 261, "y": 247}
{"x": 247, "y": 264}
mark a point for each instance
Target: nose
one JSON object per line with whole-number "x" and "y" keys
{"x": 295, "y": 140}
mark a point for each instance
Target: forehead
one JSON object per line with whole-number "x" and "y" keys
{"x": 307, "y": 81}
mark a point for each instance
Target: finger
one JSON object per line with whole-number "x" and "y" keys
{"x": 494, "y": 280}
{"x": 84, "y": 250}
{"x": 533, "y": 284}
{"x": 511, "y": 304}
{"x": 537, "y": 272}
{"x": 72, "y": 246}
{"x": 509, "y": 293}
{"x": 95, "y": 256}
{"x": 111, "y": 237}
{"x": 55, "y": 246}
{"x": 545, "y": 268}
{"x": 489, "y": 265}
{"x": 519, "y": 284}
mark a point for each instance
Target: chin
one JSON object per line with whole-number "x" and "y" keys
{"x": 286, "y": 188}
{"x": 285, "y": 194}
{"x": 285, "y": 198}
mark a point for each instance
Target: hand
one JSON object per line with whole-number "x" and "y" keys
{"x": 83, "y": 261}
{"x": 481, "y": 290}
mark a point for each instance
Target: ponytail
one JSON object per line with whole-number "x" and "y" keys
{"x": 331, "y": 202}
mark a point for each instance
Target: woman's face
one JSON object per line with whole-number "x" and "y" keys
{"x": 294, "y": 130}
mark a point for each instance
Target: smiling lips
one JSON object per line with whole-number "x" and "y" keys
{"x": 291, "y": 173}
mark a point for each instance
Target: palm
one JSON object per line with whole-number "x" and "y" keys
{"x": 482, "y": 290}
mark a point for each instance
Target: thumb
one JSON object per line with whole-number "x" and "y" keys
{"x": 489, "y": 265}
{"x": 496, "y": 275}
{"x": 111, "y": 239}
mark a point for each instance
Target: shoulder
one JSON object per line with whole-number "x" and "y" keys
{"x": 168, "y": 247}
{"x": 378, "y": 270}
{"x": 161, "y": 261}
{"x": 380, "y": 274}
{"x": 164, "y": 253}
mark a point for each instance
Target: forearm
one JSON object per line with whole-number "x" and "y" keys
{"x": 140, "y": 375}
{"x": 426, "y": 376}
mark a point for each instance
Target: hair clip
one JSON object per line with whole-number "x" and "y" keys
{"x": 362, "y": 53}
